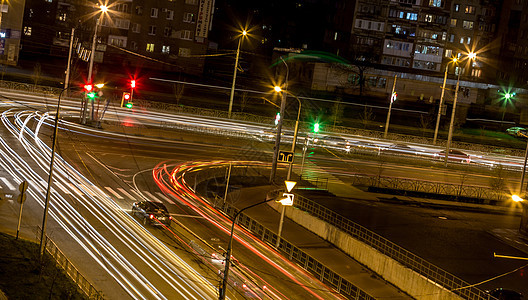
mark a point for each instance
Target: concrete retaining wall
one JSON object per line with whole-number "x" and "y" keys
{"x": 407, "y": 280}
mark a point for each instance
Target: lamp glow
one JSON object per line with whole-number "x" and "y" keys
{"x": 517, "y": 198}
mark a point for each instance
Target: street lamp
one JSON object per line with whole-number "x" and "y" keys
{"x": 223, "y": 288}
{"x": 471, "y": 56}
{"x": 244, "y": 33}
{"x": 279, "y": 124}
{"x": 103, "y": 9}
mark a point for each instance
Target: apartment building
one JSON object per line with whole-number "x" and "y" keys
{"x": 163, "y": 35}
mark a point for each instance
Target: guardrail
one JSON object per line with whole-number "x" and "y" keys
{"x": 62, "y": 261}
{"x": 472, "y": 193}
{"x": 304, "y": 260}
{"x": 392, "y": 250}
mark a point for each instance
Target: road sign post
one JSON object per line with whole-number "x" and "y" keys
{"x": 21, "y": 199}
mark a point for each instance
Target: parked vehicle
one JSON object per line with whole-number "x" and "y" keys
{"x": 150, "y": 212}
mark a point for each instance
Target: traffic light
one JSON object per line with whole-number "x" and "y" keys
{"x": 316, "y": 127}
{"x": 132, "y": 83}
{"x": 89, "y": 91}
{"x": 88, "y": 88}
{"x": 277, "y": 118}
{"x": 126, "y": 100}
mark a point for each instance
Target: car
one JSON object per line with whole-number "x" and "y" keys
{"x": 150, "y": 212}
{"x": 400, "y": 148}
{"x": 504, "y": 294}
{"x": 333, "y": 141}
{"x": 454, "y": 156}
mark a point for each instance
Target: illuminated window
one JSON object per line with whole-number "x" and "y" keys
{"x": 467, "y": 25}
{"x": 150, "y": 47}
{"x": 165, "y": 49}
{"x": 457, "y": 7}
{"x": 27, "y": 30}
{"x": 470, "y": 9}
{"x": 193, "y": 2}
{"x": 428, "y": 18}
{"x": 453, "y": 22}
{"x": 435, "y": 3}
{"x": 62, "y": 16}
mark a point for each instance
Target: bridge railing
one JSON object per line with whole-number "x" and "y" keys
{"x": 392, "y": 250}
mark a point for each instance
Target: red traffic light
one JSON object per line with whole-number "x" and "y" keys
{"x": 126, "y": 96}
{"x": 88, "y": 87}
{"x": 132, "y": 83}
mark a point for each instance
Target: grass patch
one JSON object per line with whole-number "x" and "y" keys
{"x": 23, "y": 277}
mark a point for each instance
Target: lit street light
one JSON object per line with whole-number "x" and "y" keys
{"x": 103, "y": 9}
{"x": 244, "y": 33}
{"x": 471, "y": 56}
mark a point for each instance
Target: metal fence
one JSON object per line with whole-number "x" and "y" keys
{"x": 304, "y": 260}
{"x": 62, "y": 261}
{"x": 392, "y": 250}
{"x": 480, "y": 194}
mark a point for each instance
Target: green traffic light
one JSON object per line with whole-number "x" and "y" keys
{"x": 129, "y": 105}
{"x": 508, "y": 95}
{"x": 91, "y": 95}
{"x": 316, "y": 127}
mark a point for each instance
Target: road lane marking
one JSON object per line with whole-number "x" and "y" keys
{"x": 126, "y": 194}
{"x": 151, "y": 196}
{"x": 139, "y": 196}
{"x": 164, "y": 197}
{"x": 113, "y": 192}
{"x": 60, "y": 186}
{"x": 9, "y": 185}
{"x": 75, "y": 189}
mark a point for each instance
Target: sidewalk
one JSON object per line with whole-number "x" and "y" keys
{"x": 313, "y": 245}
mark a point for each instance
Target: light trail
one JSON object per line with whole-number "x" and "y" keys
{"x": 105, "y": 249}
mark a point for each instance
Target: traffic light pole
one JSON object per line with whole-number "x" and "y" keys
{"x": 279, "y": 125}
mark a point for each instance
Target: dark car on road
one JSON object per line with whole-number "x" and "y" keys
{"x": 150, "y": 212}
{"x": 454, "y": 156}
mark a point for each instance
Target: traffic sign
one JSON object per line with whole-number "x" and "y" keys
{"x": 285, "y": 156}
{"x": 23, "y": 186}
{"x": 287, "y": 200}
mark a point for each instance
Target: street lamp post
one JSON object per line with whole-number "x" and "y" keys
{"x": 440, "y": 106}
{"x": 103, "y": 9}
{"x": 279, "y": 125}
{"x": 392, "y": 99}
{"x": 244, "y": 33}
{"x": 223, "y": 288}
{"x": 50, "y": 177}
{"x": 471, "y": 56}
